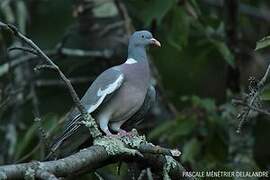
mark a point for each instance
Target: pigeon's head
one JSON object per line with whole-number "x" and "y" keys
{"x": 143, "y": 38}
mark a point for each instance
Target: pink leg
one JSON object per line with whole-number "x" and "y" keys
{"x": 103, "y": 124}
{"x": 122, "y": 132}
{"x": 115, "y": 126}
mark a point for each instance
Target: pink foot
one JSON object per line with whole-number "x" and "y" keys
{"x": 110, "y": 135}
{"x": 122, "y": 132}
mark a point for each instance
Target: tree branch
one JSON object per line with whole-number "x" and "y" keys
{"x": 252, "y": 100}
{"x": 29, "y": 50}
{"x": 87, "y": 117}
{"x": 91, "y": 158}
{"x": 40, "y": 53}
{"x": 262, "y": 111}
{"x": 105, "y": 150}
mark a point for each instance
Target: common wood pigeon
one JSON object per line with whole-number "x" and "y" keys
{"x": 119, "y": 94}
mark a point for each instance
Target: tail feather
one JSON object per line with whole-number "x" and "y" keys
{"x": 67, "y": 143}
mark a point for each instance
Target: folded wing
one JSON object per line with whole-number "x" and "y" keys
{"x": 101, "y": 90}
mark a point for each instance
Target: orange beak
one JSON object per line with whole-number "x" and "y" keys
{"x": 155, "y": 42}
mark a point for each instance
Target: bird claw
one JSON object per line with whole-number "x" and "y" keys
{"x": 125, "y": 133}
{"x": 122, "y": 132}
{"x": 118, "y": 135}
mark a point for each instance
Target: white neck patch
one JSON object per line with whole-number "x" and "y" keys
{"x": 131, "y": 61}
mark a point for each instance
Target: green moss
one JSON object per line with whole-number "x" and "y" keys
{"x": 91, "y": 124}
{"x": 122, "y": 144}
{"x": 134, "y": 140}
{"x": 170, "y": 164}
{"x": 114, "y": 146}
{"x": 29, "y": 174}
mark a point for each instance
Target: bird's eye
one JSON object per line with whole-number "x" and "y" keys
{"x": 142, "y": 36}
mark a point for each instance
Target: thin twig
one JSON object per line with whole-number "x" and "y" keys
{"x": 18, "y": 59}
{"x": 29, "y": 42}
{"x": 42, "y": 133}
{"x": 106, "y": 53}
{"x": 54, "y": 82}
{"x": 25, "y": 49}
{"x": 251, "y": 107}
{"x": 26, "y": 156}
{"x": 110, "y": 27}
{"x": 263, "y": 80}
{"x": 95, "y": 131}
{"x": 124, "y": 12}
{"x": 254, "y": 96}
{"x": 44, "y": 66}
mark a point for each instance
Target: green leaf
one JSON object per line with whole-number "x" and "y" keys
{"x": 191, "y": 150}
{"x": 224, "y": 51}
{"x": 216, "y": 145}
{"x": 26, "y": 140}
{"x": 206, "y": 103}
{"x": 263, "y": 43}
{"x": 195, "y": 6}
{"x": 177, "y": 35}
{"x": 183, "y": 127}
{"x": 160, "y": 130}
{"x": 191, "y": 10}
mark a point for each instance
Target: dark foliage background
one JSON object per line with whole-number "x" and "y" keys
{"x": 206, "y": 60}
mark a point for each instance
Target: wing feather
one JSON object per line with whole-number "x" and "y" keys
{"x": 106, "y": 84}
{"x": 100, "y": 91}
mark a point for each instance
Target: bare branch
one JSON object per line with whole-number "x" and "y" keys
{"x": 159, "y": 150}
{"x": 122, "y": 9}
{"x": 87, "y": 117}
{"x": 110, "y": 27}
{"x": 29, "y": 42}
{"x": 42, "y": 133}
{"x": 106, "y": 53}
{"x": 44, "y": 66}
{"x": 252, "y": 100}
{"x": 23, "y": 49}
{"x": 105, "y": 149}
{"x": 261, "y": 83}
{"x": 91, "y": 158}
{"x": 236, "y": 102}
{"x": 55, "y": 82}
